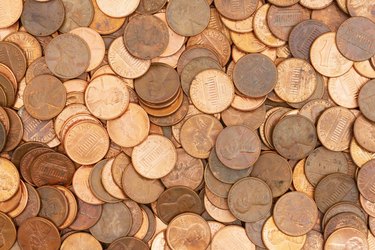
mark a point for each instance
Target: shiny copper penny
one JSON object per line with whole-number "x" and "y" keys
{"x": 120, "y": 162}
{"x": 115, "y": 222}
{"x": 224, "y": 239}
{"x": 81, "y": 186}
{"x": 103, "y": 23}
{"x": 23, "y": 202}
{"x": 12, "y": 203}
{"x": 61, "y": 56}
{"x": 87, "y": 215}
{"x": 6, "y": 31}
{"x": 294, "y": 137}
{"x": 365, "y": 68}
{"x": 27, "y": 43}
{"x": 311, "y": 4}
{"x": 334, "y": 128}
{"x": 198, "y": 135}
{"x": 14, "y": 58}
{"x": 359, "y": 8}
{"x": 128, "y": 242}
{"x": 346, "y": 237}
{"x": 81, "y": 240}
{"x": 366, "y": 99}
{"x": 10, "y": 177}
{"x": 364, "y": 180}
{"x": 188, "y": 18}
{"x": 263, "y": 75}
{"x": 108, "y": 181}
{"x": 72, "y": 204}
{"x": 251, "y": 119}
{"x": 97, "y": 184}
{"x": 305, "y": 213}
{"x": 72, "y": 20}
{"x": 120, "y": 8}
{"x": 236, "y": 10}
{"x": 10, "y": 13}
{"x": 38, "y": 233}
{"x": 243, "y": 196}
{"x": 146, "y": 37}
{"x": 8, "y": 232}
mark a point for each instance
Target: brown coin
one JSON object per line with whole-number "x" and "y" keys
{"x": 96, "y": 183}
{"x": 359, "y": 8}
{"x": 28, "y": 159}
{"x": 188, "y": 172}
{"x": 365, "y": 68}
{"x": 216, "y": 186}
{"x": 188, "y": 18}
{"x": 275, "y": 171}
{"x": 345, "y": 237}
{"x": 7, "y": 87}
{"x": 3, "y": 97}
{"x": 61, "y": 56}
{"x": 344, "y": 220}
{"x": 300, "y": 182}
{"x": 8, "y": 232}
{"x": 224, "y": 239}
{"x": 86, "y": 143}
{"x": 366, "y": 99}
{"x": 234, "y": 154}
{"x": 23, "y": 202}
{"x": 296, "y": 80}
{"x": 193, "y": 52}
{"x": 72, "y": 204}
{"x": 128, "y": 243}
{"x": 8, "y": 30}
{"x": 335, "y": 188}
{"x": 27, "y": 43}
{"x": 332, "y": 16}
{"x": 137, "y": 218}
{"x": 118, "y": 217}
{"x": 326, "y": 58}
{"x": 170, "y": 60}
{"x": 305, "y": 213}
{"x": 188, "y": 230}
{"x": 140, "y": 189}
{"x": 251, "y": 119}
{"x": 240, "y": 26}
{"x": 87, "y": 215}
{"x": 103, "y": 23}
{"x": 9, "y": 173}
{"x": 81, "y": 185}
{"x": 143, "y": 44}
{"x": 283, "y": 3}
{"x": 120, "y": 162}
{"x": 43, "y": 18}
{"x": 12, "y": 203}
{"x": 108, "y": 181}
{"x": 217, "y": 201}
{"x": 246, "y": 42}
{"x": 152, "y": 223}
{"x": 150, "y": 6}
{"x": 243, "y": 196}
{"x": 14, "y": 58}
{"x": 363, "y": 133}
{"x": 54, "y": 205}
{"x": 82, "y": 241}
{"x": 72, "y": 20}
{"x": 334, "y": 128}
{"x": 314, "y": 240}
{"x": 254, "y": 231}
{"x": 314, "y": 108}
{"x": 294, "y": 137}
{"x": 322, "y": 162}
{"x": 236, "y": 10}
{"x": 311, "y": 4}
{"x": 38, "y": 233}
{"x": 3, "y": 136}
{"x": 364, "y": 180}
{"x": 218, "y": 214}
{"x": 10, "y": 13}
{"x": 8, "y": 73}
{"x": 243, "y": 103}
{"x": 273, "y": 117}
{"x": 37, "y": 68}
{"x": 367, "y": 206}
{"x": 263, "y": 75}
{"x": 167, "y": 108}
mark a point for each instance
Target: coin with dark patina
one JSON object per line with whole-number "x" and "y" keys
{"x": 128, "y": 243}
{"x": 8, "y": 232}
{"x": 14, "y": 58}
{"x": 236, "y": 10}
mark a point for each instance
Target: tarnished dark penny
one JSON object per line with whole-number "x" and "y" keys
{"x": 8, "y": 232}
{"x": 364, "y": 133}
{"x": 366, "y": 100}
{"x": 54, "y": 205}
{"x": 3, "y": 136}
{"x": 217, "y": 187}
{"x": 120, "y": 162}
{"x": 234, "y": 154}
{"x": 335, "y": 188}
{"x": 294, "y": 137}
{"x": 255, "y": 75}
{"x": 322, "y": 162}
{"x": 152, "y": 223}
{"x": 150, "y": 6}
{"x": 128, "y": 243}
{"x": 4, "y": 119}
{"x": 281, "y": 20}
{"x": 28, "y": 159}
{"x": 236, "y": 10}
{"x": 43, "y": 18}
{"x": 295, "y": 208}
{"x": 96, "y": 184}
{"x": 137, "y": 218}
{"x": 365, "y": 180}
{"x": 37, "y": 68}
{"x": 217, "y": 201}
{"x": 87, "y": 215}
{"x": 250, "y": 199}
{"x": 254, "y": 231}
{"x": 251, "y": 119}
{"x": 146, "y": 36}
{"x": 356, "y": 44}
{"x": 44, "y": 97}
{"x": 275, "y": 171}
{"x": 33, "y": 206}
{"x": 343, "y": 220}
{"x": 52, "y": 169}
{"x": 331, "y": 15}
{"x": 34, "y": 129}
{"x": 314, "y": 240}
{"x": 74, "y": 20}
{"x": 14, "y": 58}
{"x": 8, "y": 88}
{"x": 223, "y": 173}
{"x": 303, "y": 35}
{"x": 22, "y": 149}
{"x": 3, "y": 98}
{"x": 115, "y": 222}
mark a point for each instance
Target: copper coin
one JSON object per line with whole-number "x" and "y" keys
{"x": 11, "y": 179}
{"x": 10, "y": 13}
{"x": 87, "y": 215}
{"x": 152, "y": 223}
{"x": 314, "y": 108}
{"x": 167, "y": 109}
{"x": 364, "y": 180}
{"x": 234, "y": 154}
{"x": 137, "y": 218}
{"x": 245, "y": 42}
{"x": 96, "y": 183}
{"x": 343, "y": 220}
{"x": 365, "y": 68}
{"x": 305, "y": 213}
{"x": 332, "y": 16}
{"x": 28, "y": 159}
{"x": 217, "y": 201}
{"x": 224, "y": 239}
{"x": 143, "y": 44}
{"x": 120, "y": 162}
{"x": 294, "y": 137}
{"x": 254, "y": 231}
{"x": 275, "y": 171}
{"x": 21, "y": 150}
{"x": 52, "y": 169}
{"x": 108, "y": 181}
{"x": 346, "y": 237}
{"x": 72, "y": 204}
{"x": 326, "y": 58}
{"x": 21, "y": 206}
{"x": 243, "y": 196}
{"x": 61, "y": 56}
{"x": 12, "y": 203}
{"x": 81, "y": 240}
{"x": 218, "y": 214}
{"x": 38, "y": 233}
{"x": 334, "y": 128}
{"x": 216, "y": 186}
{"x": 3, "y": 136}
{"x": 283, "y": 3}
{"x": 322, "y": 162}
{"x": 120, "y": 8}
{"x": 311, "y": 4}
{"x": 188, "y": 230}
{"x": 140, "y": 189}
{"x": 8, "y": 30}
{"x": 314, "y": 240}
{"x": 86, "y": 143}
{"x": 198, "y": 135}
{"x": 14, "y": 58}
{"x": 43, "y": 18}
{"x": 363, "y": 131}
{"x": 358, "y": 8}
{"x": 103, "y": 23}
{"x": 8, "y": 73}
{"x": 72, "y": 20}
{"x": 263, "y": 75}
{"x": 360, "y": 155}
{"x": 37, "y": 68}
{"x": 335, "y": 188}
{"x": 300, "y": 182}
{"x": 27, "y": 43}
{"x": 81, "y": 185}
{"x": 129, "y": 243}
{"x": 8, "y": 232}
{"x": 366, "y": 99}
{"x": 236, "y": 10}
{"x": 251, "y": 119}
{"x": 150, "y": 6}
{"x": 193, "y": 52}
{"x": 188, "y": 18}
{"x": 8, "y": 89}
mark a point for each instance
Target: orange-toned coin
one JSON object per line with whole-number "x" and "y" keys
{"x": 27, "y": 43}
{"x": 118, "y": 8}
{"x": 81, "y": 186}
{"x": 82, "y": 241}
{"x": 108, "y": 181}
{"x": 10, "y": 179}
{"x": 103, "y": 23}
{"x": 224, "y": 239}
{"x": 10, "y": 12}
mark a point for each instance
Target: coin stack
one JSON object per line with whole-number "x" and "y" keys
{"x": 187, "y": 124}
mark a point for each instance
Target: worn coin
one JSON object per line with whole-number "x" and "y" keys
{"x": 14, "y": 58}
{"x": 77, "y": 14}
{"x": 344, "y": 237}
{"x": 54, "y": 205}
{"x": 80, "y": 240}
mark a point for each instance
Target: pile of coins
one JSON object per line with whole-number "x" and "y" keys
{"x": 187, "y": 124}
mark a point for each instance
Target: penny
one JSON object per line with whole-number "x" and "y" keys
{"x": 152, "y": 223}
{"x": 103, "y": 23}
{"x": 334, "y": 128}
{"x": 54, "y": 205}
{"x": 108, "y": 182}
{"x": 243, "y": 196}
{"x": 8, "y": 30}
{"x": 283, "y": 3}
{"x": 140, "y": 189}
{"x": 331, "y": 15}
{"x": 14, "y": 58}
{"x": 12, "y": 203}
{"x": 150, "y": 7}
{"x": 118, "y": 216}
{"x": 246, "y": 42}
{"x": 263, "y": 75}
{"x": 242, "y": 103}
{"x": 193, "y": 52}
{"x": 80, "y": 240}
{"x": 7, "y": 87}
{"x": 358, "y": 8}
{"x": 72, "y": 204}
{"x": 21, "y": 206}
{"x": 314, "y": 240}
{"x": 364, "y": 180}
{"x": 365, "y": 68}
{"x": 8, "y": 232}
{"x": 188, "y": 18}
{"x": 275, "y": 171}
{"x": 8, "y": 73}
{"x": 314, "y": 108}
{"x": 61, "y": 56}
{"x": 335, "y": 188}
{"x": 311, "y": 4}
{"x": 322, "y": 162}
{"x": 365, "y": 99}
{"x": 212, "y": 91}
{"x": 294, "y": 137}
{"x": 11, "y": 179}
{"x": 367, "y": 206}
{"x": 224, "y": 239}
{"x": 296, "y": 81}
{"x": 275, "y": 239}
{"x": 173, "y": 118}
{"x": 240, "y": 26}
{"x": 218, "y": 214}
{"x": 119, "y": 8}
{"x": 120, "y": 162}
{"x": 137, "y": 218}
{"x": 345, "y": 237}
{"x": 216, "y": 186}
{"x": 81, "y": 186}
{"x": 86, "y": 143}
{"x": 254, "y": 231}
{"x": 87, "y": 215}
{"x": 305, "y": 213}
{"x": 363, "y": 133}
{"x": 128, "y": 242}
{"x": 188, "y": 230}
{"x": 27, "y": 43}
{"x": 28, "y": 159}
{"x": 74, "y": 20}
{"x": 96, "y": 183}
{"x": 38, "y": 233}
{"x": 300, "y": 182}
{"x": 37, "y": 68}
{"x": 251, "y": 119}
{"x": 74, "y": 120}
{"x": 10, "y": 13}
{"x": 217, "y": 201}
{"x": 360, "y": 155}
{"x": 326, "y": 58}
{"x": 43, "y": 18}
{"x": 170, "y": 60}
